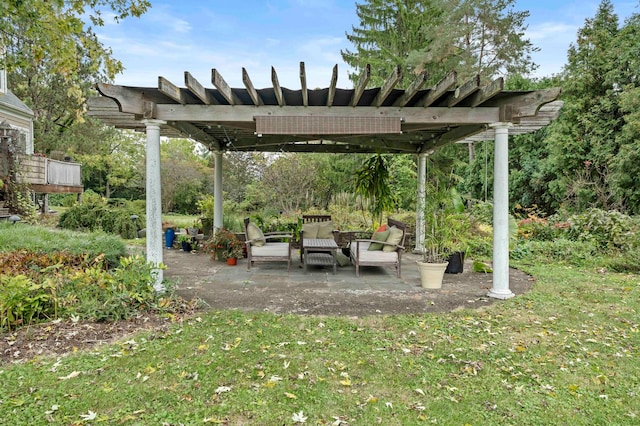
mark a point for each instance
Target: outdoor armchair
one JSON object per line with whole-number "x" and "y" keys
{"x": 384, "y": 248}
{"x": 266, "y": 247}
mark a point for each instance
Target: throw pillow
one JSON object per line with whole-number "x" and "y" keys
{"x": 325, "y": 230}
{"x": 378, "y": 236}
{"x": 395, "y": 235}
{"x": 341, "y": 259}
{"x": 255, "y": 233}
{"x": 310, "y": 230}
{"x": 381, "y": 229}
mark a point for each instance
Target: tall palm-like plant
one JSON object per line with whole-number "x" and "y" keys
{"x": 372, "y": 181}
{"x": 446, "y": 223}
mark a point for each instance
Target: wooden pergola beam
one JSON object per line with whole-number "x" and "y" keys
{"x": 332, "y": 86}
{"x": 303, "y": 85}
{"x": 192, "y": 132}
{"x": 171, "y": 90}
{"x": 198, "y": 90}
{"x": 362, "y": 84}
{"x": 413, "y": 88}
{"x": 439, "y": 89}
{"x": 223, "y": 87}
{"x": 464, "y": 91}
{"x": 246, "y": 113}
{"x": 487, "y": 92}
{"x": 277, "y": 90}
{"x": 253, "y": 93}
{"x": 391, "y": 82}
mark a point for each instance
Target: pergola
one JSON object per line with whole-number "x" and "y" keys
{"x": 415, "y": 120}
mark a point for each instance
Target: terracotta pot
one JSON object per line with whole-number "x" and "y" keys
{"x": 232, "y": 261}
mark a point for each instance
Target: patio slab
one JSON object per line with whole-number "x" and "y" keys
{"x": 269, "y": 287}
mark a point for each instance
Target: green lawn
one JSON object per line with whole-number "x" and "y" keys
{"x": 180, "y": 220}
{"x": 566, "y": 353}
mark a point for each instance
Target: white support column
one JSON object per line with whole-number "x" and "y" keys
{"x": 500, "y": 288}
{"x": 422, "y": 175}
{"x": 154, "y": 200}
{"x": 217, "y": 191}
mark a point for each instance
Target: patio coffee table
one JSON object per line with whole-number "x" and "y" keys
{"x": 319, "y": 251}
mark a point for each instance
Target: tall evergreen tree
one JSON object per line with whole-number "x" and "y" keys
{"x": 483, "y": 37}
{"x": 388, "y": 31}
{"x": 588, "y": 144}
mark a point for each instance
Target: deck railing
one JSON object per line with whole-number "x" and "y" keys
{"x": 36, "y": 170}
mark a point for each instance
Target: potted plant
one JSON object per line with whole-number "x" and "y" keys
{"x": 446, "y": 226}
{"x": 205, "y": 208}
{"x": 233, "y": 252}
{"x": 186, "y": 241}
{"x": 223, "y": 244}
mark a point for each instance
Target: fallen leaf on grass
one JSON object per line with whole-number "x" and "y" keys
{"x": 70, "y": 376}
{"x": 299, "y": 417}
{"x": 89, "y": 416}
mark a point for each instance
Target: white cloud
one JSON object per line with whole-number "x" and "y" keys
{"x": 551, "y": 31}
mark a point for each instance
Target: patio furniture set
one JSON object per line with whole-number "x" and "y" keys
{"x": 318, "y": 245}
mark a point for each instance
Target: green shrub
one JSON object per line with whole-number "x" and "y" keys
{"x": 113, "y": 217}
{"x": 624, "y": 261}
{"x": 561, "y": 250}
{"x": 606, "y": 229}
{"x": 64, "y": 200}
{"x": 23, "y": 302}
{"x": 111, "y": 295}
{"x": 82, "y": 289}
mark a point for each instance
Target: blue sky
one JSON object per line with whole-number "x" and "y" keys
{"x": 198, "y": 35}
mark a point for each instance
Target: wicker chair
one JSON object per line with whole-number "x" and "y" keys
{"x": 269, "y": 251}
{"x": 362, "y": 256}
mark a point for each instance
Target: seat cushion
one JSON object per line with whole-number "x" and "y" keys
{"x": 378, "y": 236}
{"x": 271, "y": 250}
{"x": 255, "y": 233}
{"x": 374, "y": 256}
{"x": 395, "y": 236}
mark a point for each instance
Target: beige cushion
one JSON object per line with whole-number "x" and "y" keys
{"x": 255, "y": 233}
{"x": 395, "y": 236}
{"x": 378, "y": 236}
{"x": 310, "y": 230}
{"x": 325, "y": 230}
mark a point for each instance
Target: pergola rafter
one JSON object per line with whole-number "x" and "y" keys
{"x": 429, "y": 118}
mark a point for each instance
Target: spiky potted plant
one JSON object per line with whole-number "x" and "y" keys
{"x": 445, "y": 228}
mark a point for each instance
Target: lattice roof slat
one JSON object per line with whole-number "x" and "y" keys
{"x": 224, "y": 118}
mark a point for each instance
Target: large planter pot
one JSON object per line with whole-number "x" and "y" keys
{"x": 456, "y": 263}
{"x": 431, "y": 274}
{"x": 232, "y": 261}
{"x": 169, "y": 237}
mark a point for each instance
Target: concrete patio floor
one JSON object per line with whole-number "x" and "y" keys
{"x": 269, "y": 287}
